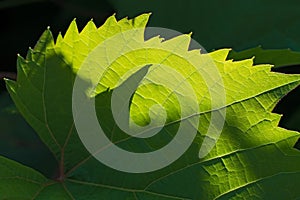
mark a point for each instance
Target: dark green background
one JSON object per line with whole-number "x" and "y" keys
{"x": 215, "y": 24}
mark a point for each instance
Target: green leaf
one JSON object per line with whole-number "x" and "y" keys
{"x": 235, "y": 24}
{"x": 277, "y": 57}
{"x": 253, "y": 158}
{"x": 18, "y": 181}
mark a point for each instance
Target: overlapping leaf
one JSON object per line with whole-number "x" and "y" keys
{"x": 276, "y": 57}
{"x": 216, "y": 24}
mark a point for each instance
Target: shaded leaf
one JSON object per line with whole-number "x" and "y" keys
{"x": 277, "y": 57}
{"x": 232, "y": 23}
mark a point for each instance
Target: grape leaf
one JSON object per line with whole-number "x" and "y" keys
{"x": 253, "y": 158}
{"x": 216, "y": 24}
{"x": 277, "y": 57}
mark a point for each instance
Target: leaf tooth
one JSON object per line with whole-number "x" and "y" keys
{"x": 89, "y": 27}
{"x": 110, "y": 21}
{"x": 140, "y": 21}
{"x": 46, "y": 40}
{"x": 266, "y": 67}
{"x": 179, "y": 44}
{"x": 59, "y": 39}
{"x": 20, "y": 60}
{"x": 230, "y": 65}
{"x": 125, "y": 23}
{"x": 21, "y": 67}
{"x": 109, "y": 28}
{"x": 220, "y": 55}
{"x": 194, "y": 52}
{"x": 246, "y": 62}
{"x": 89, "y": 35}
{"x": 156, "y": 40}
{"x": 29, "y": 54}
{"x": 35, "y": 56}
{"x": 137, "y": 22}
{"x": 11, "y": 86}
{"x": 72, "y": 33}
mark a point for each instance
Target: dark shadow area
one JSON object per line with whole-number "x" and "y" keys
{"x": 21, "y": 25}
{"x": 289, "y": 105}
{"x": 103, "y": 105}
{"x": 18, "y": 141}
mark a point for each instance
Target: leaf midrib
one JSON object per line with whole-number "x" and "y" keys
{"x": 176, "y": 121}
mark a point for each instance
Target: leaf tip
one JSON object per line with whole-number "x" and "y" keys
{"x": 7, "y": 79}
{"x": 11, "y": 85}
{"x": 221, "y": 54}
